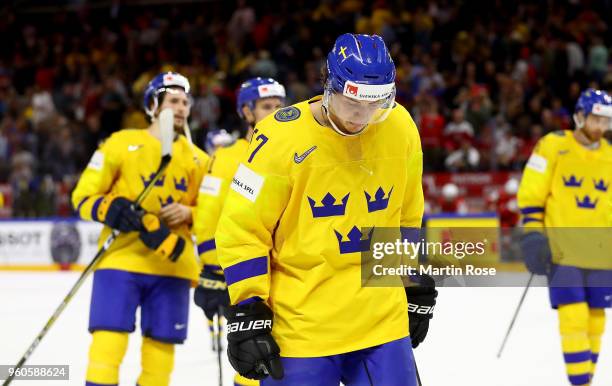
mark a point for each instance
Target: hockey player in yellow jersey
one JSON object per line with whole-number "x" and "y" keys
{"x": 290, "y": 234}
{"x": 256, "y": 99}
{"x": 152, "y": 262}
{"x": 566, "y": 203}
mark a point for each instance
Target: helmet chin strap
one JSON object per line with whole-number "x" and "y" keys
{"x": 330, "y": 120}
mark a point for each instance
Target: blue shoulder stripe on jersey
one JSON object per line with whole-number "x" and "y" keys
{"x": 532, "y": 209}
{"x": 206, "y": 245}
{"x": 594, "y": 357}
{"x": 527, "y": 220}
{"x": 577, "y": 357}
{"x": 94, "y": 208}
{"x": 246, "y": 269}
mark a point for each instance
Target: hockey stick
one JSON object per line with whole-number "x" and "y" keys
{"x": 418, "y": 377}
{"x": 219, "y": 347}
{"x": 187, "y": 132}
{"x": 518, "y": 308}
{"x": 166, "y": 124}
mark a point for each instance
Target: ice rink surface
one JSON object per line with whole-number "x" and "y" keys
{"x": 460, "y": 350}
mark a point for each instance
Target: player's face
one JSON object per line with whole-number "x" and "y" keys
{"x": 179, "y": 102}
{"x": 265, "y": 106}
{"x": 595, "y": 126}
{"x": 351, "y": 115}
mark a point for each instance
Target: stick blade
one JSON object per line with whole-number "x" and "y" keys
{"x": 166, "y": 127}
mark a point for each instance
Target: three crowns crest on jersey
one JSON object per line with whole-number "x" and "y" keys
{"x": 146, "y": 182}
{"x": 355, "y": 242}
{"x": 586, "y": 202}
{"x": 379, "y": 202}
{"x": 600, "y": 185}
{"x": 572, "y": 182}
{"x": 180, "y": 184}
{"x": 329, "y": 207}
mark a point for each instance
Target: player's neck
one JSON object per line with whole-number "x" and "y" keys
{"x": 317, "y": 113}
{"x": 249, "y": 134}
{"x": 582, "y": 139}
{"x": 153, "y": 129}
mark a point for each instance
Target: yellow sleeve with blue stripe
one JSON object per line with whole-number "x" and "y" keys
{"x": 536, "y": 182}
{"x": 256, "y": 199}
{"x": 211, "y": 198}
{"x": 123, "y": 166}
{"x": 97, "y": 180}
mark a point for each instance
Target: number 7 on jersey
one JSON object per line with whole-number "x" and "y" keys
{"x": 263, "y": 140}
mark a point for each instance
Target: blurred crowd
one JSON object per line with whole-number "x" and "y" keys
{"x": 483, "y": 80}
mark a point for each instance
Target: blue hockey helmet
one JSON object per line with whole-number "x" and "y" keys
{"x": 217, "y": 138}
{"x": 593, "y": 101}
{"x": 360, "y": 67}
{"x": 257, "y": 88}
{"x": 162, "y": 83}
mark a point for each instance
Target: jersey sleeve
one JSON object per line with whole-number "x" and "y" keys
{"x": 414, "y": 203}
{"x": 257, "y": 196}
{"x": 201, "y": 167}
{"x": 96, "y": 180}
{"x": 211, "y": 197}
{"x": 536, "y": 183}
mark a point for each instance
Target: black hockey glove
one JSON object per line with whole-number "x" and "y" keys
{"x": 421, "y": 302}
{"x": 251, "y": 349}
{"x": 211, "y": 293}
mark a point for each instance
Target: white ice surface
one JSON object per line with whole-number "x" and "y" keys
{"x": 460, "y": 350}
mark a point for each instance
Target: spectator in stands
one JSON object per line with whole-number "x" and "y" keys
{"x": 525, "y": 63}
{"x": 450, "y": 201}
{"x": 431, "y": 127}
{"x": 457, "y": 130}
{"x": 466, "y": 158}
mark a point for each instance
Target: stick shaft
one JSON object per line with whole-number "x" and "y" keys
{"x": 516, "y": 312}
{"x": 90, "y": 268}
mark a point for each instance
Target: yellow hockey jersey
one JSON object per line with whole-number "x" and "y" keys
{"x": 565, "y": 192}
{"x": 211, "y": 198}
{"x": 123, "y": 165}
{"x": 290, "y": 230}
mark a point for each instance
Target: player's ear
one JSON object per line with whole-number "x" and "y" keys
{"x": 248, "y": 113}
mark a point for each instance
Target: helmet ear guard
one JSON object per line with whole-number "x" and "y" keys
{"x": 579, "y": 119}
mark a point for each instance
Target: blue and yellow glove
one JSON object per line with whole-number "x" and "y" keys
{"x": 119, "y": 213}
{"x": 211, "y": 293}
{"x": 536, "y": 253}
{"x": 157, "y": 236}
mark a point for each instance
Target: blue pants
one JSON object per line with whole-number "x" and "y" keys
{"x": 575, "y": 285}
{"x": 163, "y": 301}
{"x": 390, "y": 364}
